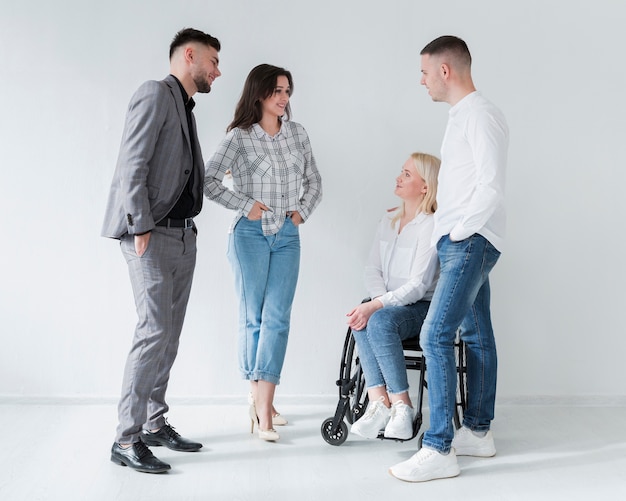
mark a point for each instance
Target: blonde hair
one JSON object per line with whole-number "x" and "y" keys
{"x": 427, "y": 167}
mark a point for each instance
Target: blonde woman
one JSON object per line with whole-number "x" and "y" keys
{"x": 400, "y": 278}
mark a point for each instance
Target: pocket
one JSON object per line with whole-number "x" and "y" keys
{"x": 491, "y": 255}
{"x": 440, "y": 242}
{"x": 127, "y": 244}
{"x": 148, "y": 247}
{"x": 290, "y": 226}
{"x": 260, "y": 166}
{"x": 297, "y": 162}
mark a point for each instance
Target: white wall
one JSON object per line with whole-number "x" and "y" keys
{"x": 68, "y": 69}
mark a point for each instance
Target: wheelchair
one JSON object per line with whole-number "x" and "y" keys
{"x": 353, "y": 398}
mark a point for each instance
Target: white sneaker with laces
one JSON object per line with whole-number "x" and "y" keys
{"x": 427, "y": 464}
{"x": 375, "y": 419}
{"x": 467, "y": 443}
{"x": 400, "y": 424}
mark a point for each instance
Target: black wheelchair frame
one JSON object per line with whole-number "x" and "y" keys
{"x": 353, "y": 398}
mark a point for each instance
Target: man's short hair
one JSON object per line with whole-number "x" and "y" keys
{"x": 449, "y": 44}
{"x": 187, "y": 35}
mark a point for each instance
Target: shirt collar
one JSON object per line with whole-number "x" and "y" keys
{"x": 187, "y": 101}
{"x": 260, "y": 133}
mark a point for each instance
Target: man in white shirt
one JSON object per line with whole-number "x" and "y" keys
{"x": 469, "y": 233}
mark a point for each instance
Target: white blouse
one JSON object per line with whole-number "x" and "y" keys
{"x": 402, "y": 268}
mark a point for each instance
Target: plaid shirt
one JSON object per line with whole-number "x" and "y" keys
{"x": 277, "y": 171}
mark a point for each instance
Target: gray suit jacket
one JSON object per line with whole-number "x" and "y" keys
{"x": 154, "y": 161}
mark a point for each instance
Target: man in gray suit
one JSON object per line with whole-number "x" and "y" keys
{"x": 155, "y": 193}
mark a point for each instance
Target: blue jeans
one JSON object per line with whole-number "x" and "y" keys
{"x": 380, "y": 344}
{"x": 461, "y": 299}
{"x": 266, "y": 273}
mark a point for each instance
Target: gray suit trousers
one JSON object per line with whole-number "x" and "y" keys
{"x": 161, "y": 281}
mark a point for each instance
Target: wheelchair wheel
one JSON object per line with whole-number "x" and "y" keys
{"x": 461, "y": 396}
{"x": 352, "y": 371}
{"x": 331, "y": 438}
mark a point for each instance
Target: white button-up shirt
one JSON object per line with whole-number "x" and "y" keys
{"x": 470, "y": 196}
{"x": 403, "y": 267}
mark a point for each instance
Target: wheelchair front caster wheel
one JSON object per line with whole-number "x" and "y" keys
{"x": 337, "y": 438}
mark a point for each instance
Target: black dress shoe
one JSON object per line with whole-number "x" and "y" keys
{"x": 169, "y": 438}
{"x": 138, "y": 457}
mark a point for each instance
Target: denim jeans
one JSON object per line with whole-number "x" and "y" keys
{"x": 461, "y": 299}
{"x": 266, "y": 273}
{"x": 380, "y": 344}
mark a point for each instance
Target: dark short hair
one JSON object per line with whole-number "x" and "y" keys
{"x": 260, "y": 84}
{"x": 451, "y": 45}
{"x": 187, "y": 35}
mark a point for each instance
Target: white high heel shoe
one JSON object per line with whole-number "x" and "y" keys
{"x": 270, "y": 435}
{"x": 277, "y": 419}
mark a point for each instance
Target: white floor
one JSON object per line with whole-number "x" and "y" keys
{"x": 546, "y": 452}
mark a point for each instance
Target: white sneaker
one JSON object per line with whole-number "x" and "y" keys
{"x": 400, "y": 424}
{"x": 427, "y": 464}
{"x": 467, "y": 443}
{"x": 373, "y": 421}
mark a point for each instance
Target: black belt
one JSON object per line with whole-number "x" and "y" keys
{"x": 176, "y": 223}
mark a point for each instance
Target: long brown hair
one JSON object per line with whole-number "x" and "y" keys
{"x": 260, "y": 84}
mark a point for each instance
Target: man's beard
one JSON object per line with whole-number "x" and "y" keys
{"x": 202, "y": 85}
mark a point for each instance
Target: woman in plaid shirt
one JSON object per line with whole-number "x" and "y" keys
{"x": 276, "y": 187}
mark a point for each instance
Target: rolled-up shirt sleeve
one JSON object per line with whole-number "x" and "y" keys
{"x": 226, "y": 158}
